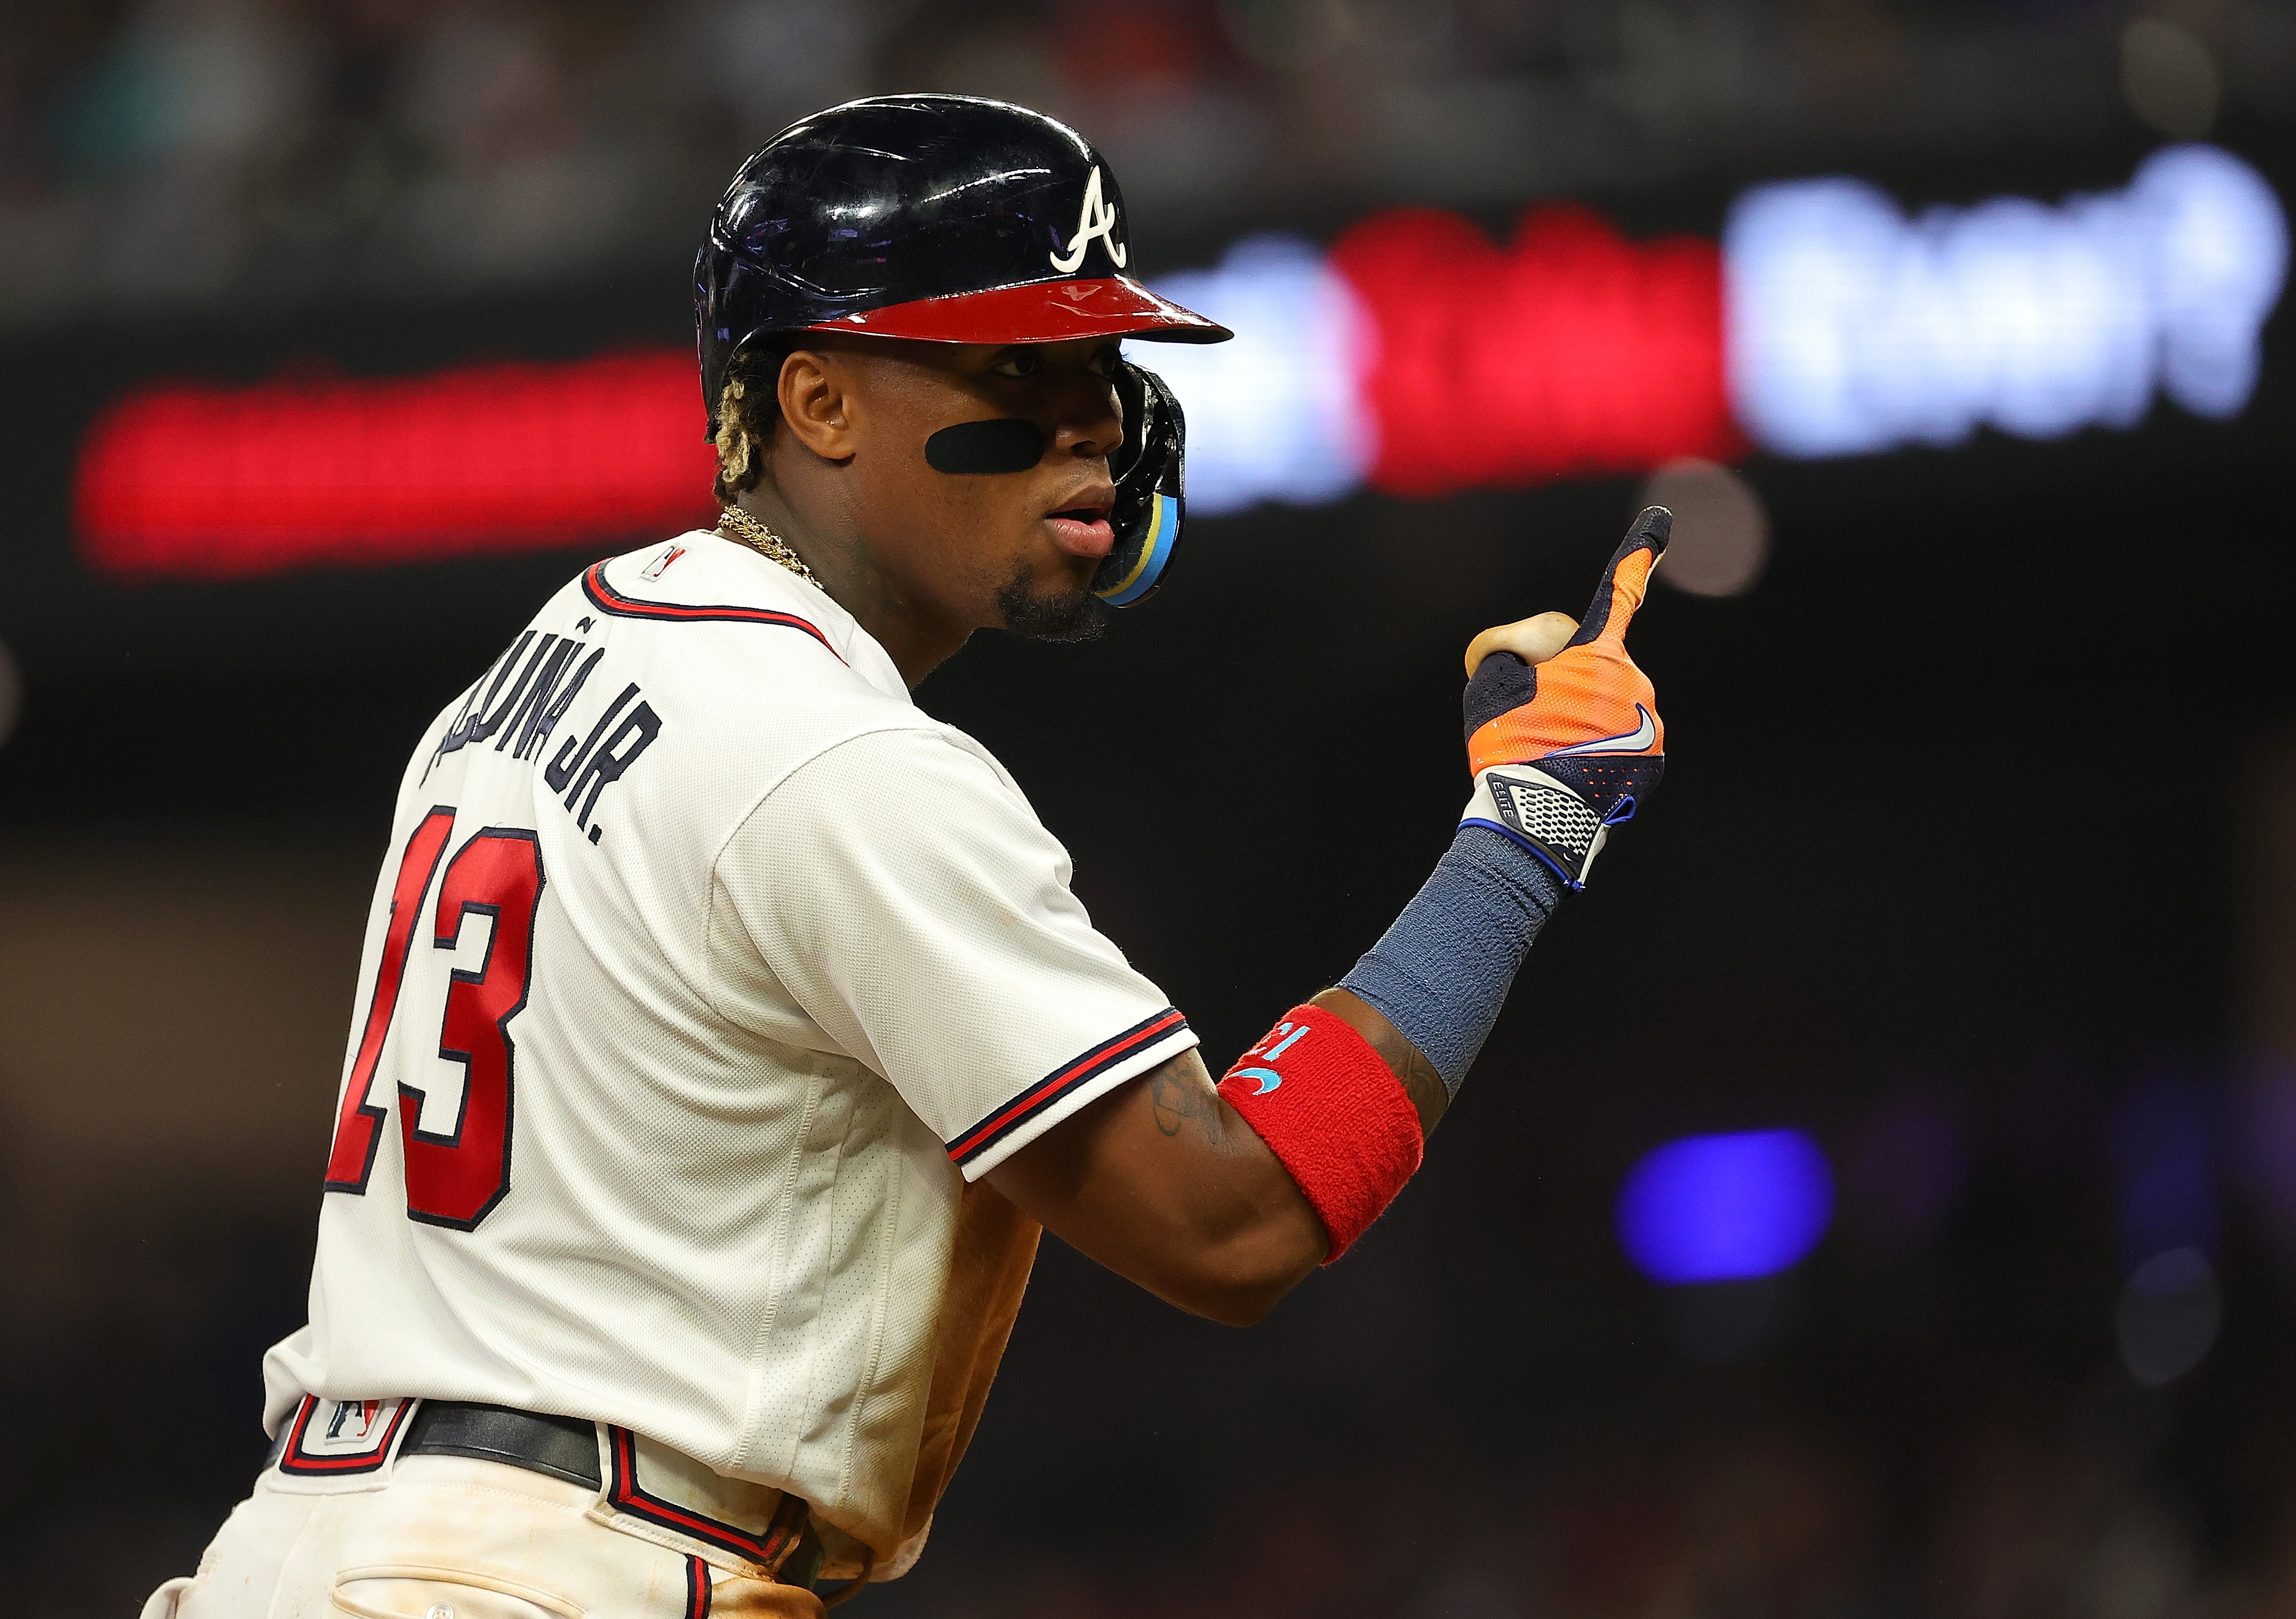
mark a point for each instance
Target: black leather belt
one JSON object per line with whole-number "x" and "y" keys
{"x": 560, "y": 1446}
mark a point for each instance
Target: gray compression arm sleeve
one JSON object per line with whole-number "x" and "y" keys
{"x": 1441, "y": 973}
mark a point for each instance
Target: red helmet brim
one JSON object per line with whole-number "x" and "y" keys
{"x": 1040, "y": 312}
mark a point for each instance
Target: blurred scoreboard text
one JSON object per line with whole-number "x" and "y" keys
{"x": 1416, "y": 356}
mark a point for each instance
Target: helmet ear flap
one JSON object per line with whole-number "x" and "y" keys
{"x": 1132, "y": 393}
{"x": 1150, "y": 488}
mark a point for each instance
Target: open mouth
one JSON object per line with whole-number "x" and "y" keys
{"x": 1083, "y": 529}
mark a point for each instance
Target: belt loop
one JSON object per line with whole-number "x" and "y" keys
{"x": 852, "y": 1588}
{"x": 800, "y": 1564}
{"x": 327, "y": 1444}
{"x": 679, "y": 1501}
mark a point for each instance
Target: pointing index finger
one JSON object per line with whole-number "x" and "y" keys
{"x": 1627, "y": 577}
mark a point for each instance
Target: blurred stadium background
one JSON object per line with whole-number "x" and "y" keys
{"x": 1880, "y": 1196}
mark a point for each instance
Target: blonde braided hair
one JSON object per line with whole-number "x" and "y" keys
{"x": 749, "y": 409}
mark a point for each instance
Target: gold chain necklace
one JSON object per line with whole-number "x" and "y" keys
{"x": 737, "y": 525}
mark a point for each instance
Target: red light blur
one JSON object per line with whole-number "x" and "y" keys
{"x": 1571, "y": 351}
{"x": 194, "y": 482}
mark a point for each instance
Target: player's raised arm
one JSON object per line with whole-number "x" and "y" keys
{"x": 1222, "y": 1199}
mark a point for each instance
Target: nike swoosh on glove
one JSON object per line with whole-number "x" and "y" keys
{"x": 1564, "y": 750}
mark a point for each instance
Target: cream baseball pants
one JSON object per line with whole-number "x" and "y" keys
{"x": 447, "y": 1537}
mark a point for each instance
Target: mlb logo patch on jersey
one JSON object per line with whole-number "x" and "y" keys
{"x": 656, "y": 568}
{"x": 332, "y": 1437}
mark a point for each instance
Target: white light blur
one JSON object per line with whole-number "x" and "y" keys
{"x": 2167, "y": 1321}
{"x": 1853, "y": 329}
{"x": 1274, "y": 414}
{"x": 2169, "y": 77}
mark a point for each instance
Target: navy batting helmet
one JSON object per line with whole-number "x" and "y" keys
{"x": 951, "y": 219}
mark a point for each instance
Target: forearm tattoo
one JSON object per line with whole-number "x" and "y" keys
{"x": 1174, "y": 1101}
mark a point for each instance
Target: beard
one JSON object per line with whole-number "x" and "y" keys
{"x": 1053, "y": 615}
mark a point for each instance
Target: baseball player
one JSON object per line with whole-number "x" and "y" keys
{"x": 725, "y": 1030}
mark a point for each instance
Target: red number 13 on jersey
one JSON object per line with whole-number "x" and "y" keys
{"x": 453, "y": 1178}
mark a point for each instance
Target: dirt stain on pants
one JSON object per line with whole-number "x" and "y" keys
{"x": 445, "y": 1537}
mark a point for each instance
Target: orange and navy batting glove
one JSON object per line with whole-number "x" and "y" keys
{"x": 1564, "y": 750}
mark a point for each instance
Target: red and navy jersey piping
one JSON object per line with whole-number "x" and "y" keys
{"x": 611, "y": 601}
{"x": 1063, "y": 1081}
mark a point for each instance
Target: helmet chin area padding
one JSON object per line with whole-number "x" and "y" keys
{"x": 1009, "y": 444}
{"x": 1151, "y": 490}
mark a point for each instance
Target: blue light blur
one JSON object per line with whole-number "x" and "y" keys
{"x": 2164, "y": 1154}
{"x": 1726, "y": 1208}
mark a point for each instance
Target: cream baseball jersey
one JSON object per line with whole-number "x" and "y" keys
{"x": 702, "y": 972}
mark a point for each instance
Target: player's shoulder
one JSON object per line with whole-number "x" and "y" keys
{"x": 921, "y": 760}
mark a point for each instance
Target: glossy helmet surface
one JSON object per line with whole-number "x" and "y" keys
{"x": 951, "y": 219}
{"x": 944, "y": 217}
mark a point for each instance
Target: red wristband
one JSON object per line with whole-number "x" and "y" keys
{"x": 1332, "y": 1113}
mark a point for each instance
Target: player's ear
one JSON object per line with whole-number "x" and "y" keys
{"x": 815, "y": 400}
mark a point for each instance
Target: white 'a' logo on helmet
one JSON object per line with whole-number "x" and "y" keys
{"x": 1097, "y": 218}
